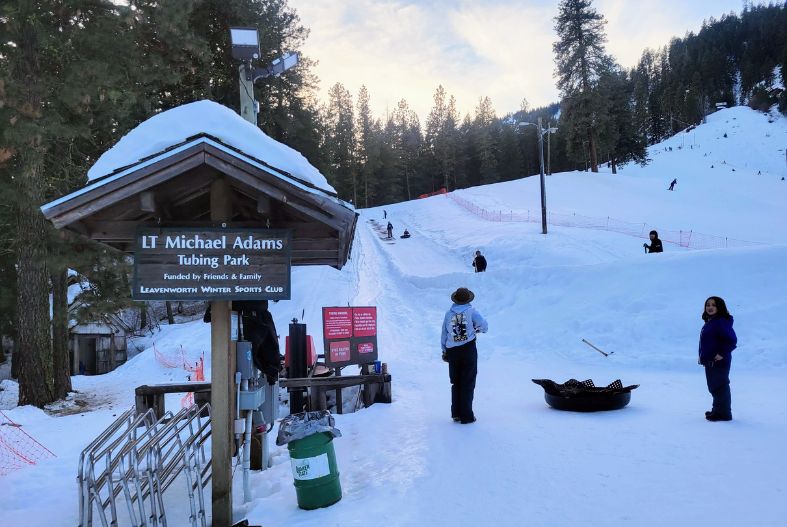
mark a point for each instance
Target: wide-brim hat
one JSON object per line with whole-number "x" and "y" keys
{"x": 462, "y": 296}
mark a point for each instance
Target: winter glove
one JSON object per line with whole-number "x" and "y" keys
{"x": 445, "y": 356}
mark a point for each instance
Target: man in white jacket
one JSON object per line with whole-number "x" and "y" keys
{"x": 460, "y": 326}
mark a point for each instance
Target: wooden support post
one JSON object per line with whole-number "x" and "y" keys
{"x": 317, "y": 398}
{"x": 222, "y": 381}
{"x": 339, "y": 410}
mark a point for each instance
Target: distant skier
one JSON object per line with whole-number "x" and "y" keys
{"x": 385, "y": 214}
{"x": 479, "y": 262}
{"x": 672, "y": 185}
{"x": 717, "y": 340}
{"x": 655, "y": 244}
{"x": 458, "y": 342}
{"x": 406, "y": 234}
{"x": 390, "y": 230}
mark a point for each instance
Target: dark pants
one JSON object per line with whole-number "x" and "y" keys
{"x": 462, "y": 370}
{"x": 718, "y": 377}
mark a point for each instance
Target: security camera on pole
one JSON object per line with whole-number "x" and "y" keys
{"x": 541, "y": 132}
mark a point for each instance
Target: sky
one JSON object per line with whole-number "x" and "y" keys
{"x": 496, "y": 48}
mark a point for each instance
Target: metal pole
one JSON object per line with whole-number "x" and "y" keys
{"x": 248, "y": 106}
{"x": 248, "y": 110}
{"x": 549, "y": 150}
{"x": 543, "y": 189}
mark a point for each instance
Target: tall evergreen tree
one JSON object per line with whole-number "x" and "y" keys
{"x": 581, "y": 60}
{"x": 407, "y": 142}
{"x": 484, "y": 133}
{"x": 340, "y": 141}
{"x": 367, "y": 148}
{"x": 54, "y": 89}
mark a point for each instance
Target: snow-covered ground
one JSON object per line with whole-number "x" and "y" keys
{"x": 657, "y": 462}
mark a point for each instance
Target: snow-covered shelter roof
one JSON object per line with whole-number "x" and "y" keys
{"x": 177, "y": 126}
{"x": 161, "y": 174}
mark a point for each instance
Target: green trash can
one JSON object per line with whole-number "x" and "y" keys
{"x": 314, "y": 469}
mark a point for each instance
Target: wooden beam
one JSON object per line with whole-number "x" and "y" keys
{"x": 132, "y": 187}
{"x": 264, "y": 206}
{"x": 335, "y": 382}
{"x": 222, "y": 380}
{"x": 174, "y": 161}
{"x": 147, "y": 201}
{"x": 314, "y": 206}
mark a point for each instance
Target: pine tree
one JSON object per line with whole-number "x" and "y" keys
{"x": 340, "y": 141}
{"x": 581, "y": 60}
{"x": 485, "y": 136}
{"x": 618, "y": 132}
{"x": 367, "y": 152}
{"x": 407, "y": 144}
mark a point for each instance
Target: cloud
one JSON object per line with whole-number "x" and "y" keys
{"x": 403, "y": 49}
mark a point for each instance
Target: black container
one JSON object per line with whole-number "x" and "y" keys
{"x": 576, "y": 396}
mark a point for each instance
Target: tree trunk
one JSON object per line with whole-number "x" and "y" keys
{"x": 14, "y": 356}
{"x": 170, "y": 318}
{"x": 60, "y": 358}
{"x": 34, "y": 344}
{"x": 143, "y": 316}
{"x": 592, "y": 150}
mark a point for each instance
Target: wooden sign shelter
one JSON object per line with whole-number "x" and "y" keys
{"x": 206, "y": 182}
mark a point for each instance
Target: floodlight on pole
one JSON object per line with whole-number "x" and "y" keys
{"x": 245, "y": 43}
{"x": 246, "y": 48}
{"x": 541, "y": 132}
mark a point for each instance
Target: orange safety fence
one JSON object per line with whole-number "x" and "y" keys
{"x": 180, "y": 361}
{"x": 684, "y": 238}
{"x": 199, "y": 375}
{"x": 17, "y": 448}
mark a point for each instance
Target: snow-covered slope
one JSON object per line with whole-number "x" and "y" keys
{"x": 727, "y": 186}
{"x": 657, "y": 462}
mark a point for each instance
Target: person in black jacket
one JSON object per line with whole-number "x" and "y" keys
{"x": 717, "y": 340}
{"x": 479, "y": 262}
{"x": 260, "y": 330}
{"x": 655, "y": 244}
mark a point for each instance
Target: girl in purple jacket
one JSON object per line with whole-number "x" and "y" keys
{"x": 717, "y": 340}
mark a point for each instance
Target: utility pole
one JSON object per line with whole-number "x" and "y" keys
{"x": 541, "y": 132}
{"x": 543, "y": 186}
{"x": 549, "y": 152}
{"x": 248, "y": 106}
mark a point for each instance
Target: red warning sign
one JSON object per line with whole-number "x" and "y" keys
{"x": 349, "y": 335}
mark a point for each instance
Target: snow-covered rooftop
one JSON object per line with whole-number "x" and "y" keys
{"x": 175, "y": 126}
